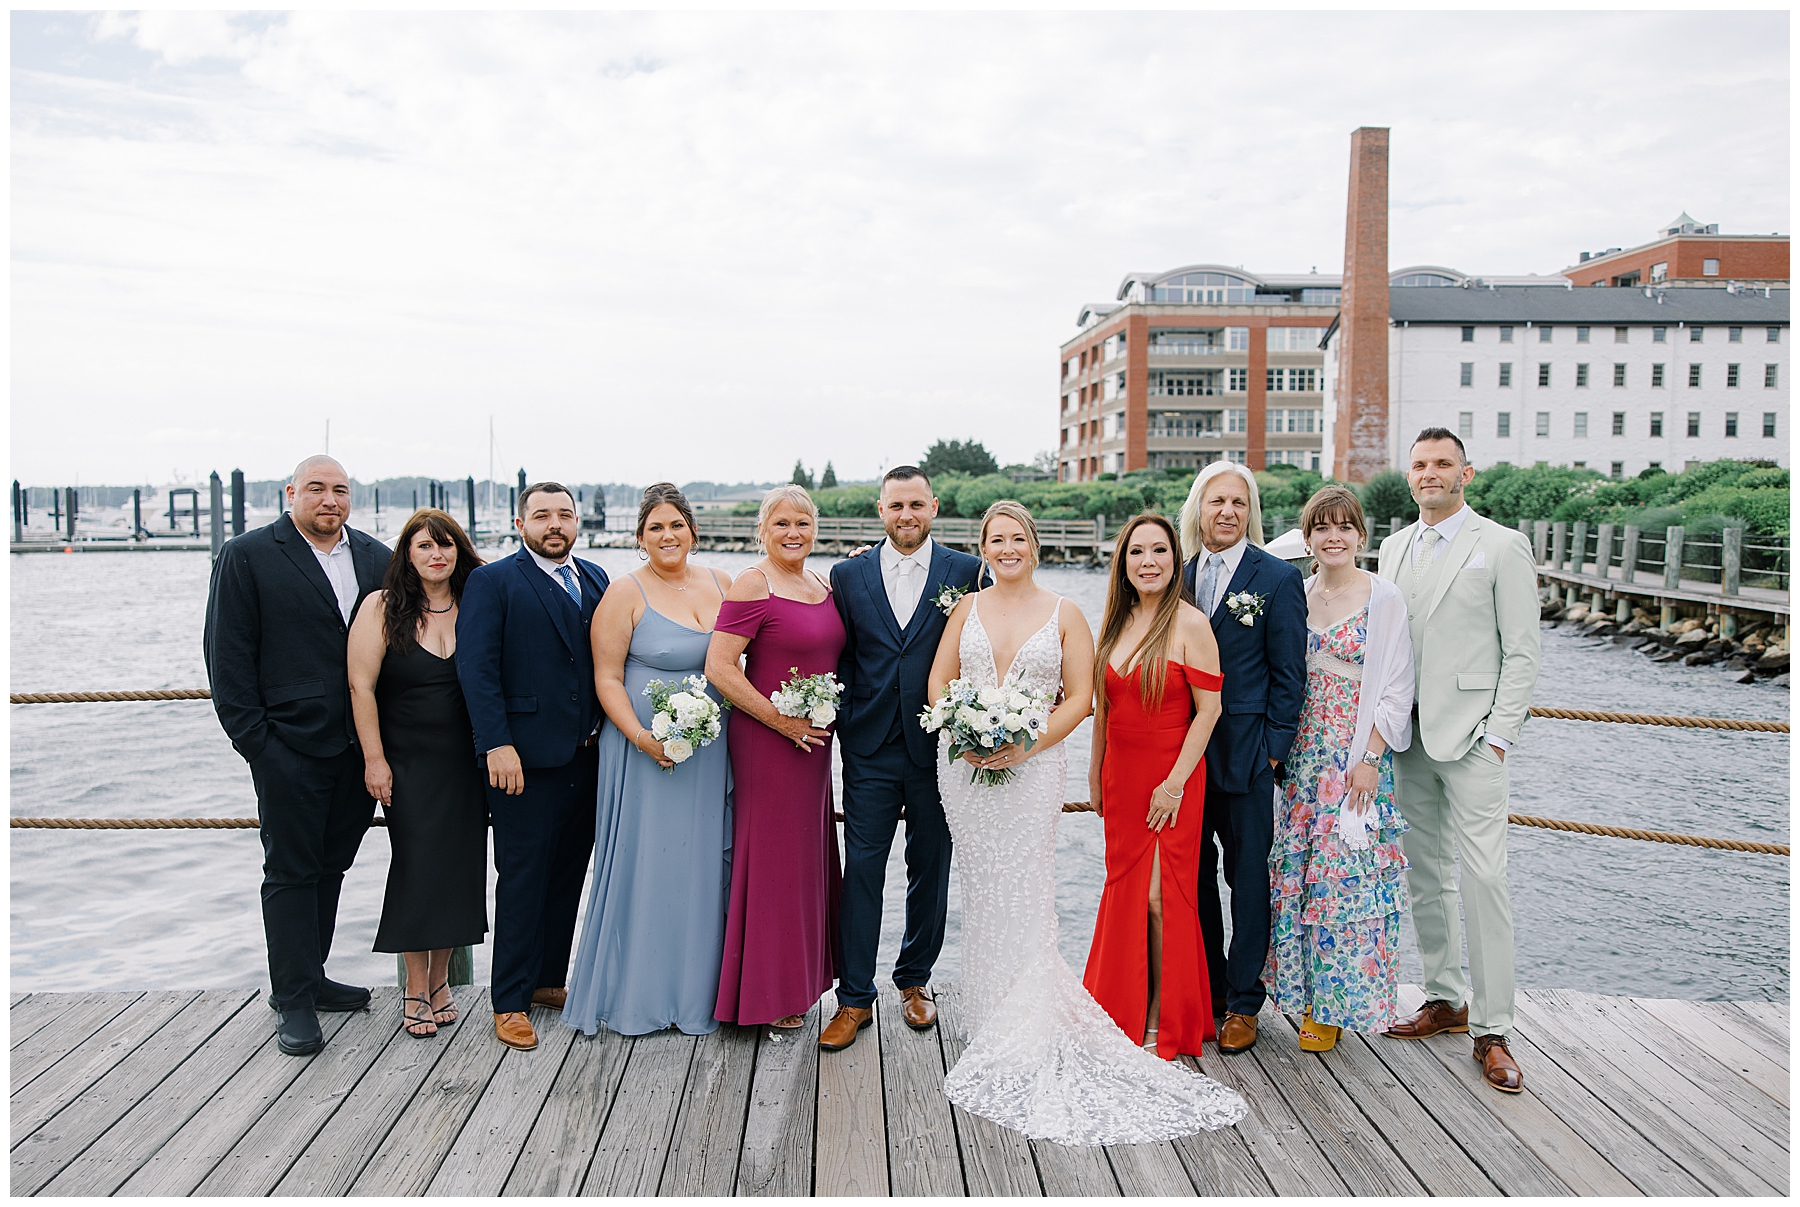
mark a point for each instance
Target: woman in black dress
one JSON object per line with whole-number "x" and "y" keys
{"x": 419, "y": 761}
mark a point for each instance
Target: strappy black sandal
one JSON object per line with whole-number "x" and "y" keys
{"x": 410, "y": 1021}
{"x": 437, "y": 1014}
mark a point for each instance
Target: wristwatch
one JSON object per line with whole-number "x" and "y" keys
{"x": 1371, "y": 758}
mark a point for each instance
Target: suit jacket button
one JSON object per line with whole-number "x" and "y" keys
{"x": 896, "y": 689}
{"x": 572, "y": 698}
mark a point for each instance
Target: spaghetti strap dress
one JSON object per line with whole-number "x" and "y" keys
{"x": 1141, "y": 747}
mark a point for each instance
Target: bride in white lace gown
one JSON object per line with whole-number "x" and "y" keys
{"x": 1043, "y": 1058}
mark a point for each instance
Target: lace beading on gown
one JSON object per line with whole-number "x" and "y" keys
{"x": 1044, "y": 1058}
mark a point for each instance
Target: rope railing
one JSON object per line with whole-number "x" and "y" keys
{"x": 1554, "y": 714}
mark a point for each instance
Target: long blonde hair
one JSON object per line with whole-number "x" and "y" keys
{"x": 1190, "y": 510}
{"x": 1121, "y": 598}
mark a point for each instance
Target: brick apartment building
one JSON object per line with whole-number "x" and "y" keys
{"x": 1687, "y": 251}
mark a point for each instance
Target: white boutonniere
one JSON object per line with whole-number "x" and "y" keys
{"x": 945, "y": 599}
{"x": 1246, "y": 606}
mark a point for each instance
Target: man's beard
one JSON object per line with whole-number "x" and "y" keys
{"x": 540, "y": 546}
{"x": 924, "y": 530}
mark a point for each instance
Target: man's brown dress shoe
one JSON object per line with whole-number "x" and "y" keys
{"x": 841, "y": 1031}
{"x": 1497, "y": 1065}
{"x": 1433, "y": 1018}
{"x": 917, "y": 1008}
{"x": 514, "y": 1030}
{"x": 1238, "y": 1034}
{"x": 553, "y": 998}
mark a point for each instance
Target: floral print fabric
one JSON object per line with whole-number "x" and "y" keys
{"x": 1335, "y": 911}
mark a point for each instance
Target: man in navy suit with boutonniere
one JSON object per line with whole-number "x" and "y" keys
{"x": 894, "y": 600}
{"x": 527, "y": 671}
{"x": 1257, "y": 605}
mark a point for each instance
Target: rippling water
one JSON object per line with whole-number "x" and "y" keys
{"x": 145, "y": 909}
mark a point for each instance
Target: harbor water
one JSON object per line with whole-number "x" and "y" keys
{"x": 163, "y": 909}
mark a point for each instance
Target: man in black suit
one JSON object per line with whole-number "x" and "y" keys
{"x": 527, "y": 672}
{"x": 277, "y": 622}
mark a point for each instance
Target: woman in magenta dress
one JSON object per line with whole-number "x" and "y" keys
{"x": 781, "y": 923}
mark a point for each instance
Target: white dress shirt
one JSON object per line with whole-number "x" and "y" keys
{"x": 1447, "y": 528}
{"x": 549, "y": 567}
{"x": 904, "y": 575}
{"x": 1233, "y": 557}
{"x": 340, "y": 572}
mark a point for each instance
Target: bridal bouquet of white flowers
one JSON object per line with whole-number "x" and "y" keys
{"x": 683, "y": 716}
{"x": 986, "y": 718}
{"x": 815, "y": 697}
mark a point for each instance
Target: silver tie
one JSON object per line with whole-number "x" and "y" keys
{"x": 905, "y": 598}
{"x": 1209, "y": 582}
{"x": 1422, "y": 555}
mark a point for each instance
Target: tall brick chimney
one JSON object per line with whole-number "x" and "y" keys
{"x": 1360, "y": 428}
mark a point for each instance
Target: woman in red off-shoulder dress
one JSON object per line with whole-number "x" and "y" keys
{"x": 1147, "y": 966}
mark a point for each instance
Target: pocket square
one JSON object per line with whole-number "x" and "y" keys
{"x": 1478, "y": 562}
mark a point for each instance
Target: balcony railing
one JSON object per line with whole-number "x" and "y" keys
{"x": 1190, "y": 348}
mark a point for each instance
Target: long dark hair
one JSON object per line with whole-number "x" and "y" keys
{"x": 403, "y": 601}
{"x": 1122, "y": 597}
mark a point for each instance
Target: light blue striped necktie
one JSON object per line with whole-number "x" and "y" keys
{"x": 1209, "y": 582}
{"x": 568, "y": 581}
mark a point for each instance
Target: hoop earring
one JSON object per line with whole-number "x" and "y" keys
{"x": 643, "y": 554}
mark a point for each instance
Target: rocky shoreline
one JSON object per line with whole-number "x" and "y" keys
{"x": 1759, "y": 653}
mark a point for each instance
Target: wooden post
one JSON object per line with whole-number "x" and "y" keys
{"x": 56, "y": 510}
{"x": 1559, "y": 544}
{"x": 1669, "y": 614}
{"x": 217, "y": 515}
{"x": 1603, "y": 551}
{"x": 1731, "y": 557}
{"x": 470, "y": 486}
{"x": 1572, "y": 596}
{"x": 1672, "y": 543}
{"x": 18, "y": 515}
{"x": 1628, "y": 562}
{"x": 1728, "y": 625}
{"x": 1578, "y": 562}
{"x": 1622, "y": 614}
{"x": 1540, "y": 540}
{"x": 237, "y": 502}
{"x": 69, "y": 502}
{"x": 137, "y": 516}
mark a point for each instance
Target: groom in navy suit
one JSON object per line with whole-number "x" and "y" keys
{"x": 888, "y": 598}
{"x": 1257, "y": 606}
{"x": 527, "y": 672}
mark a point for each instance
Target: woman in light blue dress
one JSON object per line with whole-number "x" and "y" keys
{"x": 648, "y": 957}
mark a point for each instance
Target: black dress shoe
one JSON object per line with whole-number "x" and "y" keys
{"x": 336, "y": 998}
{"x": 298, "y": 1032}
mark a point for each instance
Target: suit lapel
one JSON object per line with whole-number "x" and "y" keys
{"x": 934, "y": 581}
{"x": 1402, "y": 552}
{"x": 556, "y": 601}
{"x": 1246, "y": 570}
{"x": 1453, "y": 558}
{"x": 877, "y": 591}
{"x": 371, "y": 558}
{"x": 300, "y": 551}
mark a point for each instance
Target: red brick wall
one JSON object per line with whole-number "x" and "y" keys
{"x": 1137, "y": 392}
{"x": 1360, "y": 445}
{"x": 1739, "y": 259}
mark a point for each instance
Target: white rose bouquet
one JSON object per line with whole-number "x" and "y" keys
{"x": 683, "y": 716}
{"x": 815, "y": 697}
{"x": 986, "y": 718}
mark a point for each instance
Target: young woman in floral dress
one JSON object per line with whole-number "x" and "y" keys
{"x": 1336, "y": 884}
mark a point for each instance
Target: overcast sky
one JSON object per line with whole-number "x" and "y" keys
{"x": 700, "y": 246}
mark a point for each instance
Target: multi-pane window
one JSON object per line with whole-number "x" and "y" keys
{"x": 1543, "y": 374}
{"x": 1294, "y": 419}
{"x": 1581, "y": 335}
{"x": 1731, "y": 423}
{"x": 1468, "y": 373}
{"x": 1581, "y": 374}
{"x": 1240, "y": 380}
{"x": 1734, "y": 335}
{"x": 1621, "y": 335}
{"x": 1768, "y": 425}
{"x": 1771, "y": 375}
{"x": 1618, "y": 374}
{"x": 1465, "y": 425}
{"x": 1693, "y": 424}
{"x": 1185, "y": 425}
{"x": 1543, "y": 423}
{"x": 1291, "y": 380}
{"x": 1709, "y": 267}
{"x": 1656, "y": 375}
{"x": 1237, "y": 420}
{"x": 1659, "y": 335}
{"x": 1618, "y": 469}
{"x": 1696, "y": 335}
{"x": 1184, "y": 383}
{"x": 1468, "y": 335}
{"x": 1774, "y": 335}
{"x": 1544, "y": 334}
{"x": 1656, "y": 423}
{"x": 1618, "y": 428}
{"x": 1581, "y": 423}
{"x": 1505, "y": 374}
{"x": 1731, "y": 376}
{"x": 1506, "y": 334}
{"x": 1693, "y": 375}
{"x": 1237, "y": 339}
{"x": 1503, "y": 424}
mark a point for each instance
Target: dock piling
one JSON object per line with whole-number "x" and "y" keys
{"x": 237, "y": 502}
{"x": 1672, "y": 543}
{"x": 1578, "y": 548}
{"x": 469, "y": 497}
{"x": 1540, "y": 540}
{"x": 1559, "y": 544}
{"x": 69, "y": 502}
{"x": 1731, "y": 561}
{"x": 1603, "y": 547}
{"x": 216, "y": 489}
{"x": 18, "y": 515}
{"x": 1629, "y": 559}
{"x": 137, "y": 516}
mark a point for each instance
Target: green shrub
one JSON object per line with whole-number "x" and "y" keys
{"x": 848, "y": 500}
{"x": 1387, "y": 495}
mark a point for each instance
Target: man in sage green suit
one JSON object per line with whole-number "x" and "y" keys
{"x": 1472, "y": 604}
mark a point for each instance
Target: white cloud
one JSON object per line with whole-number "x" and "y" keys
{"x": 698, "y": 246}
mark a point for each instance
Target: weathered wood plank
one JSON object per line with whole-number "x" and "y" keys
{"x": 37, "y": 1011}
{"x": 334, "y": 1160}
{"x": 1387, "y": 1098}
{"x": 554, "y": 1158}
{"x": 1721, "y": 1168}
{"x": 409, "y": 1157}
{"x": 1725, "y": 1045}
{"x": 66, "y": 1032}
{"x": 1356, "y": 1150}
{"x": 1284, "y": 1153}
{"x": 635, "y": 1143}
{"x": 1770, "y": 1038}
{"x": 1720, "y": 1083}
{"x": 778, "y": 1132}
{"x": 703, "y": 1156}
{"x": 92, "y": 1059}
{"x": 482, "y": 1158}
{"x": 996, "y": 1162}
{"x": 160, "y": 1111}
{"x": 48, "y": 1150}
{"x": 1775, "y": 1015}
{"x": 258, "y": 1161}
{"x": 205, "y": 1130}
{"x": 1150, "y": 1169}
{"x": 1074, "y": 1172}
{"x": 1219, "y": 1163}
{"x": 850, "y": 1149}
{"x": 16, "y": 999}
{"x": 921, "y": 1136}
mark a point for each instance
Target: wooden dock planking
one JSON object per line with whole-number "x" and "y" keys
{"x": 1066, "y": 1172}
{"x": 1150, "y": 1169}
{"x": 1770, "y": 1034}
{"x": 777, "y": 1154}
{"x": 1219, "y": 1163}
{"x": 850, "y": 1147}
{"x": 33, "y": 1012}
{"x": 1726, "y": 1046}
{"x": 923, "y": 1161}
{"x": 59, "y": 1036}
{"x": 1286, "y": 1155}
{"x": 83, "y": 1116}
{"x": 709, "y": 1127}
{"x": 635, "y": 1142}
{"x": 997, "y": 1163}
{"x": 555, "y": 1156}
